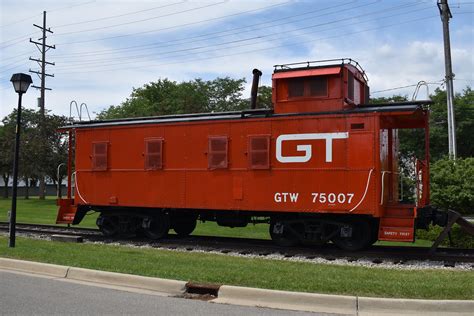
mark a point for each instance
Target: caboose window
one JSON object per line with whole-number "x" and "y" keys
{"x": 217, "y": 152}
{"x": 259, "y": 152}
{"x": 99, "y": 156}
{"x": 153, "y": 154}
{"x": 318, "y": 86}
{"x": 308, "y": 87}
{"x": 350, "y": 86}
{"x": 295, "y": 88}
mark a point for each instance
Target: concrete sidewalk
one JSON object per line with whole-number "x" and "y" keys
{"x": 322, "y": 303}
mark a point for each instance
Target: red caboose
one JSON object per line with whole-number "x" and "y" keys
{"x": 322, "y": 166}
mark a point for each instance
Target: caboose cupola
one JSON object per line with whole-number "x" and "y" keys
{"x": 319, "y": 86}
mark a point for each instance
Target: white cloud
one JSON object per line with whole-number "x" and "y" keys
{"x": 392, "y": 56}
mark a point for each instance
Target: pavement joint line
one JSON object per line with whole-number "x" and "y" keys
{"x": 236, "y": 295}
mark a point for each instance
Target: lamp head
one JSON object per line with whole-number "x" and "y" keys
{"x": 21, "y": 82}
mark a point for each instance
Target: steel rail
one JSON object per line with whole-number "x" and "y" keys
{"x": 261, "y": 247}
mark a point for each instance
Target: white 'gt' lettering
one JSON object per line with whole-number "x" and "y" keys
{"x": 306, "y": 149}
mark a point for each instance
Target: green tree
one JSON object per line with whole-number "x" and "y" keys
{"x": 27, "y": 167}
{"x": 464, "y": 114}
{"x": 165, "y": 97}
{"x": 452, "y": 185}
{"x": 225, "y": 94}
{"x": 6, "y": 156}
{"x": 264, "y": 97}
{"x": 41, "y": 146}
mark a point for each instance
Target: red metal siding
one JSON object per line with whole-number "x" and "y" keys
{"x": 340, "y": 168}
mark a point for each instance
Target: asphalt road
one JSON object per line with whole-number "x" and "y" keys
{"x": 24, "y": 294}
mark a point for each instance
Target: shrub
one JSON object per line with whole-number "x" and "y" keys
{"x": 460, "y": 238}
{"x": 452, "y": 185}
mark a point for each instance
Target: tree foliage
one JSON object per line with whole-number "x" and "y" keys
{"x": 6, "y": 154}
{"x": 264, "y": 97}
{"x": 165, "y": 97}
{"x": 41, "y": 147}
{"x": 452, "y": 185}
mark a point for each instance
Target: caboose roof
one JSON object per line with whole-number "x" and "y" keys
{"x": 306, "y": 72}
{"x": 317, "y": 68}
{"x": 407, "y": 107}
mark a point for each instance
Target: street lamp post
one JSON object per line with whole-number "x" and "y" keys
{"x": 20, "y": 82}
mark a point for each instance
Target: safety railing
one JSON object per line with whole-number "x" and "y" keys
{"x": 79, "y": 112}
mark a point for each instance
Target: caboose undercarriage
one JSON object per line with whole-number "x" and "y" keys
{"x": 348, "y": 232}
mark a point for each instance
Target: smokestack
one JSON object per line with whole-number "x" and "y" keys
{"x": 253, "y": 94}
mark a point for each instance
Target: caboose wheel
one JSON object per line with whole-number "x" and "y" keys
{"x": 184, "y": 228}
{"x": 282, "y": 235}
{"x": 157, "y": 226}
{"x": 354, "y": 235}
{"x": 108, "y": 225}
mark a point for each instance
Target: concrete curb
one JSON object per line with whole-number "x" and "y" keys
{"x": 165, "y": 286}
{"x": 382, "y": 306}
{"x": 171, "y": 287}
{"x": 339, "y": 304}
{"x": 34, "y": 267}
{"x": 322, "y": 303}
{"x": 287, "y": 300}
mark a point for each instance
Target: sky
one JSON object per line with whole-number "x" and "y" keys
{"x": 105, "y": 48}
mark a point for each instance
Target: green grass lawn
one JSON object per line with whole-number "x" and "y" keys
{"x": 260, "y": 273}
{"x": 36, "y": 211}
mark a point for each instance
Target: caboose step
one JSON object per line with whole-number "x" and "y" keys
{"x": 394, "y": 233}
{"x": 400, "y": 210}
{"x": 66, "y": 212}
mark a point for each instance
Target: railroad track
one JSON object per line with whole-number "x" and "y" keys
{"x": 263, "y": 248}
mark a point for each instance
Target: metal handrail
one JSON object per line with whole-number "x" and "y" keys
{"x": 307, "y": 64}
{"x": 57, "y": 177}
{"x": 71, "y": 118}
{"x": 78, "y": 110}
{"x": 417, "y": 89}
{"x": 87, "y": 109}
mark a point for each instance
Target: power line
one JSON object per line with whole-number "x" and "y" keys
{"x": 440, "y": 82}
{"x": 100, "y": 62}
{"x": 152, "y": 45}
{"x": 119, "y": 15}
{"x": 71, "y": 6}
{"x": 13, "y": 67}
{"x": 20, "y": 39}
{"x": 19, "y": 21}
{"x": 174, "y": 27}
{"x": 25, "y": 53}
{"x": 13, "y": 63}
{"x": 52, "y": 10}
{"x": 252, "y": 51}
{"x": 26, "y": 36}
{"x": 143, "y": 20}
{"x": 17, "y": 40}
{"x": 212, "y": 49}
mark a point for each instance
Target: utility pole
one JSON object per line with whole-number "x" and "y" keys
{"x": 445, "y": 16}
{"x": 43, "y": 48}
